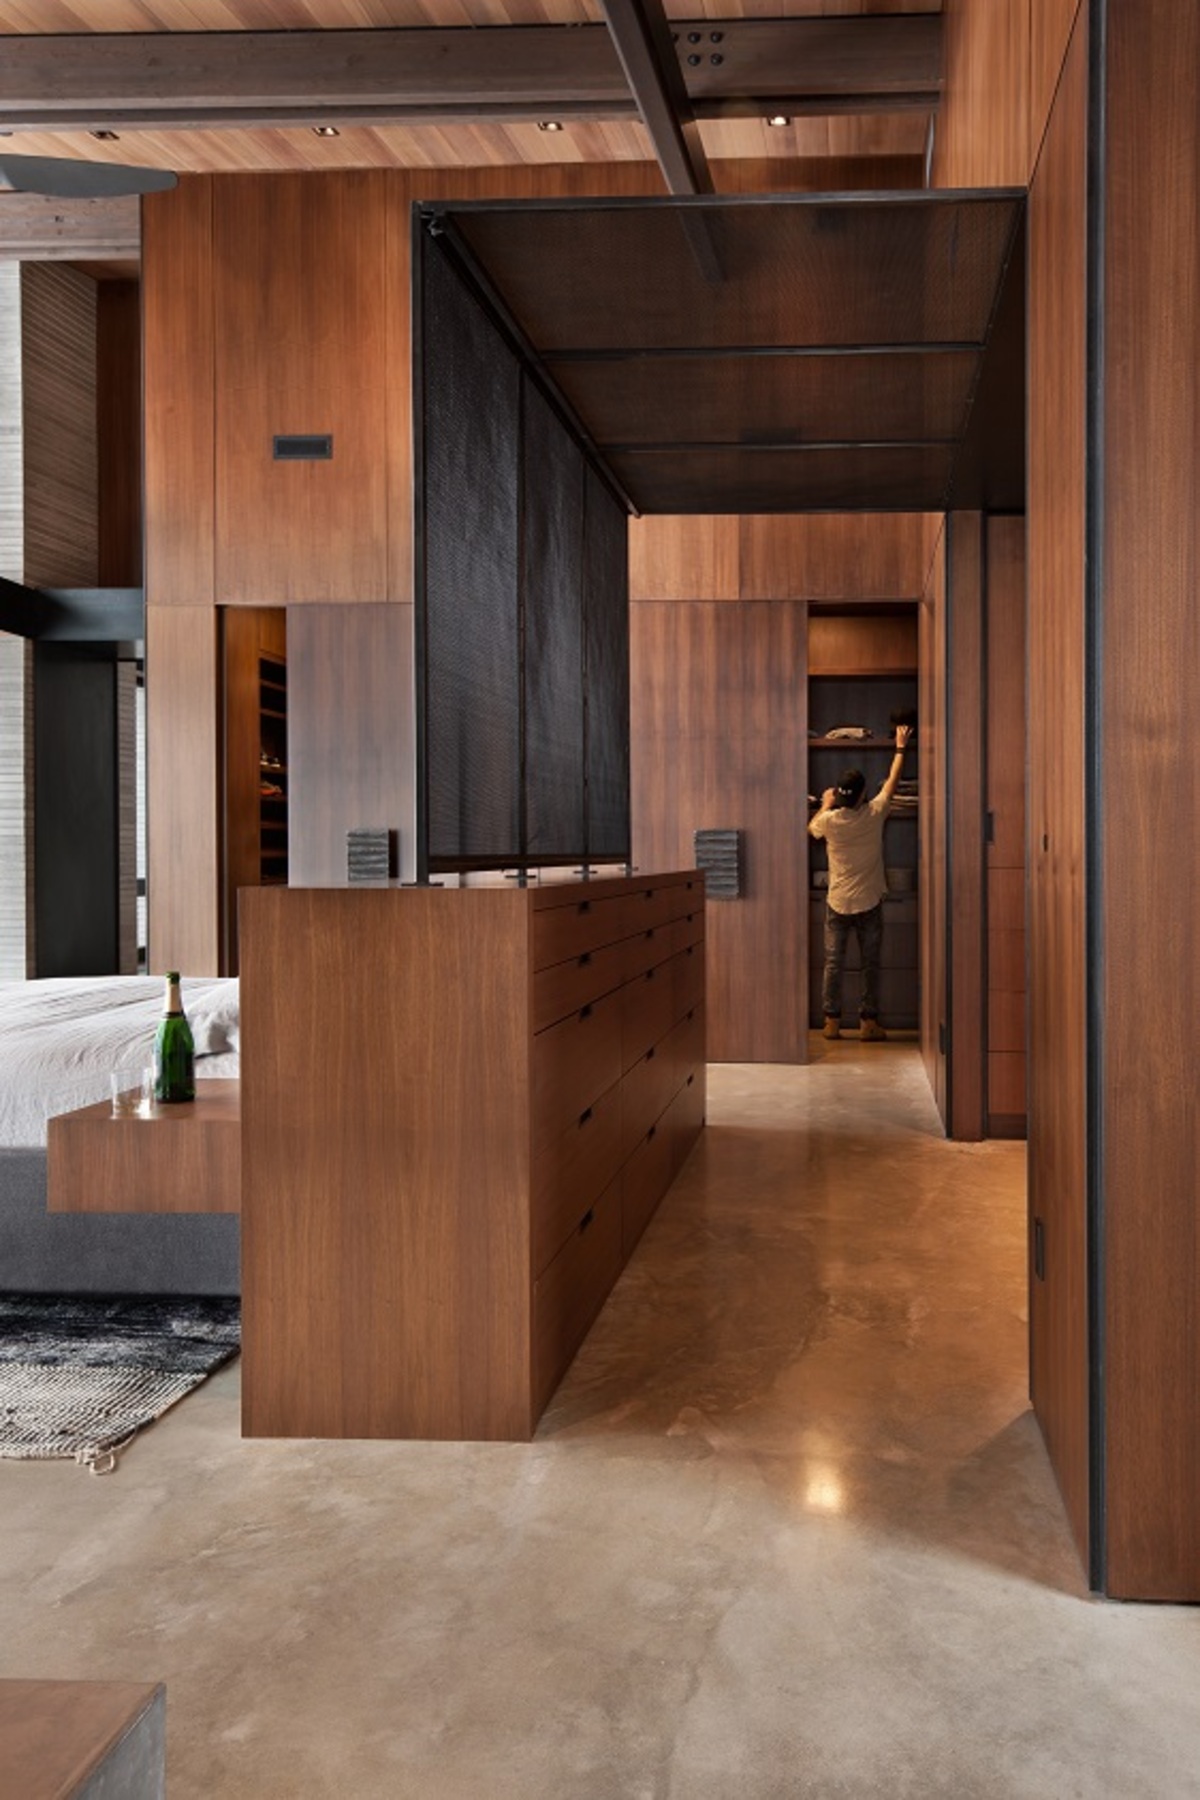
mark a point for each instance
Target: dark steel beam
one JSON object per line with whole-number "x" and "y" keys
{"x": 73, "y": 615}
{"x": 642, "y": 38}
{"x": 125, "y": 81}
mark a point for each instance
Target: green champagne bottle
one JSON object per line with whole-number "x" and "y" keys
{"x": 174, "y": 1052}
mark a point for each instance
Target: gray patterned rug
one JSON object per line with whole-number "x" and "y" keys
{"x": 82, "y": 1374}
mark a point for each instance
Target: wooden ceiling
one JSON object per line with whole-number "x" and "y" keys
{"x": 461, "y": 142}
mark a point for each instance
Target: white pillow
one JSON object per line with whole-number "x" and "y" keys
{"x": 214, "y": 1021}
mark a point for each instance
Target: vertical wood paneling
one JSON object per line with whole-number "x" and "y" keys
{"x": 832, "y": 556}
{"x": 183, "y": 787}
{"x": 982, "y": 126}
{"x": 58, "y": 347}
{"x": 1057, "y": 906}
{"x": 1005, "y": 725}
{"x": 677, "y": 557}
{"x": 178, "y": 370}
{"x": 351, "y": 734}
{"x": 719, "y": 738}
{"x": 1150, "y": 800}
{"x": 119, "y": 432}
{"x": 874, "y": 643}
{"x": 1050, "y": 25}
{"x": 931, "y": 883}
{"x": 304, "y": 257}
{"x": 965, "y": 804}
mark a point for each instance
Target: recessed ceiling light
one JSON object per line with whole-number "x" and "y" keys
{"x": 106, "y": 137}
{"x": 549, "y": 125}
{"x": 326, "y": 131}
{"x": 778, "y": 119}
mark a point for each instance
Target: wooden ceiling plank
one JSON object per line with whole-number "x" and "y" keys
{"x": 115, "y": 81}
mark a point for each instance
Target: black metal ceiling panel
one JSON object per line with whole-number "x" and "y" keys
{"x": 896, "y": 478}
{"x": 775, "y": 353}
{"x": 773, "y": 398}
{"x": 825, "y": 270}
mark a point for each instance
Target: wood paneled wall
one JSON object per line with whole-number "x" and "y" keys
{"x": 1004, "y": 715}
{"x": 1003, "y": 62}
{"x": 183, "y": 789}
{"x": 931, "y": 882}
{"x": 351, "y": 735}
{"x": 119, "y": 432}
{"x": 1148, "y": 823}
{"x": 982, "y": 127}
{"x": 870, "y": 643}
{"x": 839, "y": 557}
{"x": 1058, "y": 976}
{"x": 719, "y": 705}
{"x": 962, "y": 765}
{"x": 58, "y": 354}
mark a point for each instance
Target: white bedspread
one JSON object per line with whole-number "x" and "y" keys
{"x": 61, "y": 1039}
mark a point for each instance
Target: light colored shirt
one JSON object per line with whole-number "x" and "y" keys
{"x": 854, "y": 839}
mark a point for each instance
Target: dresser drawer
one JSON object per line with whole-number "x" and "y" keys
{"x": 647, "y": 1012}
{"x": 573, "y": 1172}
{"x": 687, "y": 930}
{"x": 647, "y": 949}
{"x": 572, "y": 1289}
{"x": 685, "y": 1116}
{"x": 644, "y": 1180}
{"x": 562, "y": 932}
{"x": 574, "y": 1062}
{"x": 687, "y": 896}
{"x": 648, "y": 906}
{"x": 687, "y": 979}
{"x": 646, "y": 1092}
{"x": 685, "y": 1048}
{"x": 567, "y": 986}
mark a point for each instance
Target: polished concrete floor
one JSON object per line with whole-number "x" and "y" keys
{"x": 787, "y": 1529}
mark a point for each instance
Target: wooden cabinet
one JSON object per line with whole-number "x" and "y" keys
{"x": 461, "y": 1108}
{"x": 254, "y": 654}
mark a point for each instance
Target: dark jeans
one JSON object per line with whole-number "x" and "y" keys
{"x": 868, "y": 928}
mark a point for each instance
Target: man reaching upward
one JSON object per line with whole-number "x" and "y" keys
{"x": 852, "y": 828}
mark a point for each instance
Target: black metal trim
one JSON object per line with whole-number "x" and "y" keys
{"x": 759, "y": 446}
{"x": 419, "y": 239}
{"x": 1093, "y": 584}
{"x": 746, "y": 352}
{"x": 857, "y": 197}
{"x": 440, "y": 228}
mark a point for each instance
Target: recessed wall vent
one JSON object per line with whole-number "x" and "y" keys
{"x": 304, "y": 447}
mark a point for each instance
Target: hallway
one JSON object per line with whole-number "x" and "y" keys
{"x": 787, "y": 1529}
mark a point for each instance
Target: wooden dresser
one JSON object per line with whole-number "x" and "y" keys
{"x": 460, "y": 1108}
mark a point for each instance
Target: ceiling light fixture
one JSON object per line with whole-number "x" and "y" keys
{"x": 778, "y": 119}
{"x": 549, "y": 124}
{"x": 326, "y": 131}
{"x": 107, "y": 137}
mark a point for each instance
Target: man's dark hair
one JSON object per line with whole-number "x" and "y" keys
{"x": 850, "y": 787}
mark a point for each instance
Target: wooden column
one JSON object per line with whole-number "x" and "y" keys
{"x": 964, "y": 850}
{"x": 1005, "y": 801}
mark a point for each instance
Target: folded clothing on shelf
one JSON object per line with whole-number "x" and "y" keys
{"x": 849, "y": 733}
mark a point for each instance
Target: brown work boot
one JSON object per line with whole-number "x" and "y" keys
{"x": 872, "y": 1032}
{"x": 833, "y": 1027}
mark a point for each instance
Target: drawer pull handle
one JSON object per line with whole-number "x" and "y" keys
{"x": 585, "y": 1115}
{"x": 650, "y": 974}
{"x": 584, "y": 960}
{"x": 585, "y": 1012}
{"x": 584, "y": 906}
{"x": 691, "y": 1015}
{"x": 690, "y": 1080}
{"x": 647, "y": 893}
{"x": 650, "y": 1054}
{"x": 650, "y": 935}
{"x": 587, "y": 1218}
{"x": 652, "y": 1134}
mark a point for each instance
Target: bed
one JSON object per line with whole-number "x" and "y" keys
{"x": 59, "y": 1042}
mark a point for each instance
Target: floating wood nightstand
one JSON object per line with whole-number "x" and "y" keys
{"x": 182, "y": 1159}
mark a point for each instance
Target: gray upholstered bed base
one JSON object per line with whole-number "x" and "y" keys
{"x": 107, "y": 1253}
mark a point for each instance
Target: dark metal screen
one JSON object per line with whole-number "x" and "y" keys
{"x": 522, "y": 600}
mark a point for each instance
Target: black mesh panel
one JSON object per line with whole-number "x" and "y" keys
{"x": 554, "y": 548}
{"x": 472, "y": 694}
{"x": 606, "y": 633}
